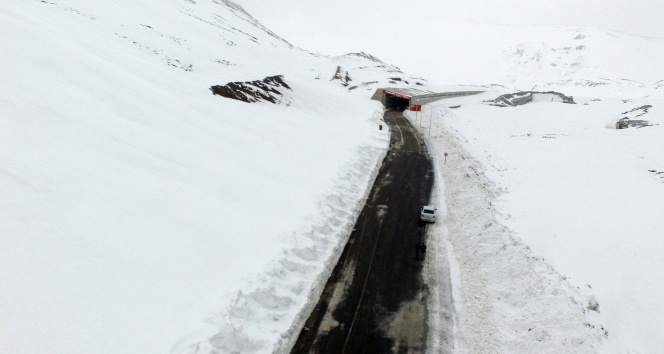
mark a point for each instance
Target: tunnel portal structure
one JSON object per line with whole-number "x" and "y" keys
{"x": 403, "y": 98}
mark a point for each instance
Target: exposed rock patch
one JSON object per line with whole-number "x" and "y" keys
{"x": 628, "y": 120}
{"x": 254, "y": 91}
{"x": 643, "y": 110}
{"x": 524, "y": 97}
{"x": 625, "y": 123}
{"x": 341, "y": 75}
{"x": 367, "y": 84}
{"x": 658, "y": 174}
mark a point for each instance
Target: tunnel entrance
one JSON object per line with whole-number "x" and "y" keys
{"x": 403, "y": 98}
{"x": 396, "y": 100}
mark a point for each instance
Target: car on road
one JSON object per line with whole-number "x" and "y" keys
{"x": 428, "y": 213}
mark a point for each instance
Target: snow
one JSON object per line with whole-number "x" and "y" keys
{"x": 551, "y": 214}
{"x": 137, "y": 206}
{"x": 143, "y": 214}
{"x": 455, "y": 42}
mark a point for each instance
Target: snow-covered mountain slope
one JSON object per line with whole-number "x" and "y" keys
{"x": 581, "y": 57}
{"x": 578, "y": 60}
{"x": 141, "y": 213}
{"x": 553, "y": 221}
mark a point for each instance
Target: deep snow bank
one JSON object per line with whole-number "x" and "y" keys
{"x": 506, "y": 296}
{"x": 270, "y": 310}
{"x": 552, "y": 212}
{"x": 137, "y": 205}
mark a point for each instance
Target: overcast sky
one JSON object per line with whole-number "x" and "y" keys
{"x": 389, "y": 29}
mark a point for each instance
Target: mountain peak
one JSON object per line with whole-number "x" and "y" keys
{"x": 365, "y": 56}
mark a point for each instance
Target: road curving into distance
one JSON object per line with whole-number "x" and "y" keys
{"x": 375, "y": 301}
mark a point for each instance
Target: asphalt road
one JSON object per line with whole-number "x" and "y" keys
{"x": 375, "y": 299}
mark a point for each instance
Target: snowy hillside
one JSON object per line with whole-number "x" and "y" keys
{"x": 553, "y": 221}
{"x": 138, "y": 206}
{"x": 583, "y": 58}
{"x": 577, "y": 60}
{"x": 149, "y": 208}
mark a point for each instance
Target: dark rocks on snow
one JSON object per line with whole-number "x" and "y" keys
{"x": 341, "y": 75}
{"x": 593, "y": 305}
{"x": 659, "y": 174}
{"x": 643, "y": 109}
{"x": 524, "y": 97}
{"x": 365, "y": 56}
{"x": 627, "y": 122}
{"x": 253, "y": 91}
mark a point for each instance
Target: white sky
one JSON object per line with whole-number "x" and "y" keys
{"x": 385, "y": 28}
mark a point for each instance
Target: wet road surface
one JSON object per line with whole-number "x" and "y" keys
{"x": 375, "y": 299}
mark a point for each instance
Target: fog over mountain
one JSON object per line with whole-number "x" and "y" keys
{"x": 463, "y": 42}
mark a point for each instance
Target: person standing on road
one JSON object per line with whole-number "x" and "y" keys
{"x": 417, "y": 251}
{"x": 423, "y": 249}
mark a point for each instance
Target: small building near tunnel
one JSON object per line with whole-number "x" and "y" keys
{"x": 403, "y": 98}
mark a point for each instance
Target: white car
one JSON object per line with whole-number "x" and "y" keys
{"x": 428, "y": 213}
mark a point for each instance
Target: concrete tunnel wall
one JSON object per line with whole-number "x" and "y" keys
{"x": 391, "y": 101}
